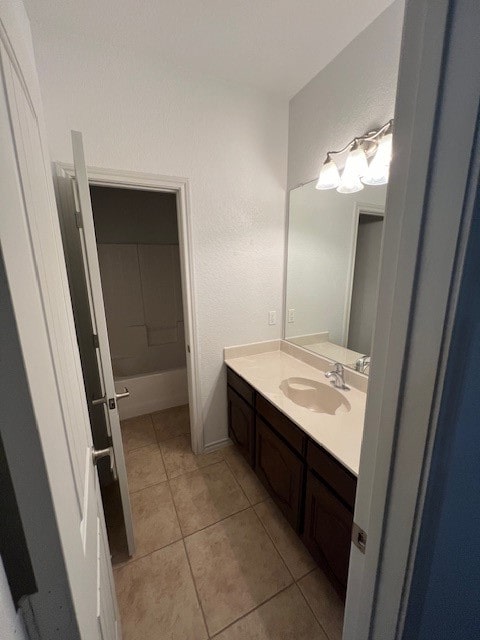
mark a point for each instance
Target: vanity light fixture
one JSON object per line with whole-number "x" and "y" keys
{"x": 329, "y": 177}
{"x": 376, "y": 145}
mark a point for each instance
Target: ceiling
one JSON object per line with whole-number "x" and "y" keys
{"x": 276, "y": 45}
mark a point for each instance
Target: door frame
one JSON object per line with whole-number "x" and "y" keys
{"x": 180, "y": 186}
{"x": 430, "y": 203}
{"x": 358, "y": 209}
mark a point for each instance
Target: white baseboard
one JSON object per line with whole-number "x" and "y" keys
{"x": 218, "y": 444}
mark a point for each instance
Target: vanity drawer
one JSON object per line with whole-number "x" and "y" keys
{"x": 241, "y": 387}
{"x": 333, "y": 473}
{"x": 295, "y": 437}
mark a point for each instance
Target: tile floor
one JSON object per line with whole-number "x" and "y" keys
{"x": 215, "y": 558}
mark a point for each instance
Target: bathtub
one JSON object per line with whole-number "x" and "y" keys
{"x": 152, "y": 392}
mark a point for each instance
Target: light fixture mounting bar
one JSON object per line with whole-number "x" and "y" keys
{"x": 370, "y": 136}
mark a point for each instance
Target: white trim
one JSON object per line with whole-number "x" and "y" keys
{"x": 180, "y": 186}
{"x": 218, "y": 444}
{"x": 429, "y": 206}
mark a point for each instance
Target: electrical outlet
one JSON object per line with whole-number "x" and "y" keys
{"x": 272, "y": 317}
{"x": 291, "y": 315}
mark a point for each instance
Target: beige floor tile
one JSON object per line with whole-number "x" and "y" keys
{"x": 144, "y": 467}
{"x": 325, "y": 602}
{"x": 171, "y": 422}
{"x": 288, "y": 544}
{"x": 137, "y": 432}
{"x": 235, "y": 567}
{"x": 157, "y": 598}
{"x": 155, "y": 521}
{"x": 179, "y": 458}
{"x": 284, "y": 617}
{"x": 243, "y": 472}
{"x": 205, "y": 496}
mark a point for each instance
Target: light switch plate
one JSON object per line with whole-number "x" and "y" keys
{"x": 272, "y": 317}
{"x": 291, "y": 315}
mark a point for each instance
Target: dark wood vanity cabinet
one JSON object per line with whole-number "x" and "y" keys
{"x": 281, "y": 471}
{"x": 241, "y": 416}
{"x": 327, "y": 531}
{"x": 315, "y": 492}
{"x": 241, "y": 425}
{"x": 329, "y": 503}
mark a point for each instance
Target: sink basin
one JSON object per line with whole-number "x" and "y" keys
{"x": 315, "y": 396}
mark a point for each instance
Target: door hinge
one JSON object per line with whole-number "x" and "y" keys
{"x": 359, "y": 537}
{"x": 78, "y": 220}
{"x": 96, "y": 343}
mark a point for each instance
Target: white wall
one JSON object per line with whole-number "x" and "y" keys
{"x": 229, "y": 141}
{"x": 320, "y": 257}
{"x": 351, "y": 95}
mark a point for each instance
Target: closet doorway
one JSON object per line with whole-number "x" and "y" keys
{"x": 142, "y": 235}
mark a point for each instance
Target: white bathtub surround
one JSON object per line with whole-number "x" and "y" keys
{"x": 265, "y": 370}
{"x": 152, "y": 392}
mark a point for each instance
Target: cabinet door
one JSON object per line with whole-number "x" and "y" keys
{"x": 241, "y": 425}
{"x": 327, "y": 531}
{"x": 280, "y": 470}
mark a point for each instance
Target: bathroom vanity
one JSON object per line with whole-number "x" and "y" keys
{"x": 302, "y": 437}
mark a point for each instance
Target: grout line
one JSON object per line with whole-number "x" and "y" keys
{"x": 238, "y": 481}
{"x": 274, "y": 545}
{"x": 308, "y": 573}
{"x": 131, "y": 561}
{"x": 148, "y": 486}
{"x": 196, "y": 589}
{"x": 212, "y": 524}
{"x": 183, "y": 537}
{"x": 244, "y": 615}
{"x": 313, "y": 612}
{"x": 179, "y": 435}
{"x": 189, "y": 564}
{"x": 203, "y": 466}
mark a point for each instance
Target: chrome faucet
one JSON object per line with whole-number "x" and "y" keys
{"x": 337, "y": 376}
{"x": 362, "y": 364}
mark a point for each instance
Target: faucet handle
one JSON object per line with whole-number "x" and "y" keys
{"x": 338, "y": 367}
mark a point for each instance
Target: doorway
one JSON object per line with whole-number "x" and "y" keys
{"x": 144, "y": 253}
{"x": 139, "y": 258}
{"x": 363, "y": 305}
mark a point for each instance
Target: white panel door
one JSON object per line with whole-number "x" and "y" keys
{"x": 99, "y": 323}
{"x": 35, "y": 268}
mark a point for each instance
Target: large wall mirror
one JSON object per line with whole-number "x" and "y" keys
{"x": 334, "y": 248}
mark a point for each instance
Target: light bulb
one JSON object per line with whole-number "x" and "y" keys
{"x": 357, "y": 162}
{"x": 350, "y": 181}
{"x": 384, "y": 151}
{"x": 379, "y": 169}
{"x": 329, "y": 177}
{"x": 377, "y": 173}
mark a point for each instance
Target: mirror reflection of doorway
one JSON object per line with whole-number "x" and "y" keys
{"x": 365, "y": 282}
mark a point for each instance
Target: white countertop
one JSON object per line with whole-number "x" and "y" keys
{"x": 340, "y": 434}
